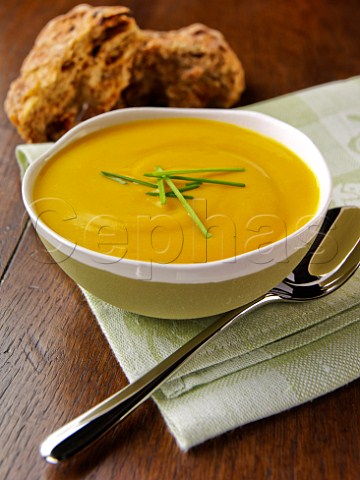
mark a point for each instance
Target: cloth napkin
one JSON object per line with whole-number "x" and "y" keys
{"x": 281, "y": 355}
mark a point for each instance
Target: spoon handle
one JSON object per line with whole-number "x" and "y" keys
{"x": 85, "y": 429}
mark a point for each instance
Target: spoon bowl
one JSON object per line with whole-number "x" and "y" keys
{"x": 331, "y": 261}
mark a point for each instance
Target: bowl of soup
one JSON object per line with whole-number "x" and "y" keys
{"x": 178, "y": 213}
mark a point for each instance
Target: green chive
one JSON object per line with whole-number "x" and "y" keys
{"x": 170, "y": 195}
{"x": 116, "y": 176}
{"x": 168, "y": 173}
{"x": 207, "y": 180}
{"x": 188, "y": 208}
{"x": 161, "y": 187}
{"x": 190, "y": 186}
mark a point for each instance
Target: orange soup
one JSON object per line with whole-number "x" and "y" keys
{"x": 253, "y": 191}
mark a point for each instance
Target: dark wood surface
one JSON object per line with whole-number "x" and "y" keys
{"x": 55, "y": 362}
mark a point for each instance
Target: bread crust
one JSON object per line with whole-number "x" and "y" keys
{"x": 78, "y": 65}
{"x": 94, "y": 59}
{"x": 190, "y": 67}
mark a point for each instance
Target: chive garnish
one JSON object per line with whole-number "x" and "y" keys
{"x": 205, "y": 180}
{"x": 182, "y": 189}
{"x": 161, "y": 187}
{"x": 190, "y": 186}
{"x": 175, "y": 175}
{"x": 169, "y": 195}
{"x": 168, "y": 173}
{"x": 188, "y": 208}
{"x": 167, "y": 176}
{"x": 116, "y": 176}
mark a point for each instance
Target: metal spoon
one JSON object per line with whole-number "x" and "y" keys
{"x": 332, "y": 259}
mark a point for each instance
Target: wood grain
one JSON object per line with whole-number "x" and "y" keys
{"x": 55, "y": 362}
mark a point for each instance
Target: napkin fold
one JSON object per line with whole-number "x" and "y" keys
{"x": 279, "y": 356}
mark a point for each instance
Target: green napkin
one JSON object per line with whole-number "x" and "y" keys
{"x": 281, "y": 355}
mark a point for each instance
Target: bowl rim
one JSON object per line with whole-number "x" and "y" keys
{"x": 206, "y": 272}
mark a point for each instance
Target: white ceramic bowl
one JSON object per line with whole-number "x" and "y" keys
{"x": 184, "y": 290}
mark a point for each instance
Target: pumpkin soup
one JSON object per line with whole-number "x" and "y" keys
{"x": 179, "y": 190}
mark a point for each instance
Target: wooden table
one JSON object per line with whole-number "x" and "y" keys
{"x": 55, "y": 362}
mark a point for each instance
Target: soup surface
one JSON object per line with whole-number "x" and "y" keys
{"x": 98, "y": 212}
